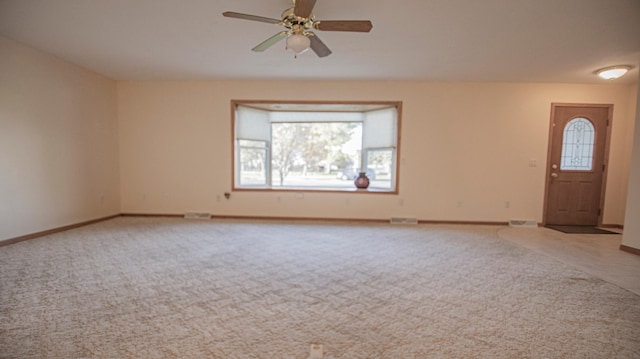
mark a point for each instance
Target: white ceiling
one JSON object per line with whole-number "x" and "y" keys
{"x": 434, "y": 40}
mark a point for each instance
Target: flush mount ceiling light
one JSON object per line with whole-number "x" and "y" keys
{"x": 613, "y": 72}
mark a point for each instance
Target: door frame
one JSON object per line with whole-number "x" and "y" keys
{"x": 607, "y": 144}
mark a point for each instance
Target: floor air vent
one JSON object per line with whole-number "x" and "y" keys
{"x": 197, "y": 215}
{"x": 528, "y": 223}
{"x": 403, "y": 220}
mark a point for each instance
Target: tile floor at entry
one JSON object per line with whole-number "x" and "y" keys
{"x": 596, "y": 254}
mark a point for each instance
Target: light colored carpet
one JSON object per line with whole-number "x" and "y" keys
{"x": 172, "y": 288}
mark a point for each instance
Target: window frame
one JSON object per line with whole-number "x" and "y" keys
{"x": 267, "y": 162}
{"x": 394, "y": 159}
{"x": 315, "y": 106}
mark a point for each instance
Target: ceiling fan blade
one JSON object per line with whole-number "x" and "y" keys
{"x": 318, "y": 46}
{"x": 347, "y": 25}
{"x": 304, "y": 8}
{"x": 270, "y": 41}
{"x": 238, "y": 15}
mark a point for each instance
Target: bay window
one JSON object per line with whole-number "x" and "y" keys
{"x": 315, "y": 146}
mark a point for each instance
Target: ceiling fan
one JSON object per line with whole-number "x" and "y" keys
{"x": 299, "y": 21}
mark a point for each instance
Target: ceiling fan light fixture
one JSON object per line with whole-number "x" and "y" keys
{"x": 613, "y": 72}
{"x": 299, "y": 21}
{"x": 298, "y": 43}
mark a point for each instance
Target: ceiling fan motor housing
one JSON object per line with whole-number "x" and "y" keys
{"x": 296, "y": 23}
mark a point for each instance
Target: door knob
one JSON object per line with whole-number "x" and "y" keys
{"x": 554, "y": 175}
{"x": 554, "y": 166}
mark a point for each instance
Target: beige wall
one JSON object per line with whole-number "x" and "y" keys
{"x": 58, "y": 143}
{"x": 461, "y": 142}
{"x": 75, "y": 146}
{"x": 631, "y": 237}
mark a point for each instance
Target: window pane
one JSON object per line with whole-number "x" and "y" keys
{"x": 577, "y": 145}
{"x": 315, "y": 155}
{"x": 380, "y": 168}
{"x": 253, "y": 165}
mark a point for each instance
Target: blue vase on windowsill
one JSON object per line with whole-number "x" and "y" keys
{"x": 362, "y": 181}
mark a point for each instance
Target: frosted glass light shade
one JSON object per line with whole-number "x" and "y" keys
{"x": 610, "y": 73}
{"x": 298, "y": 43}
